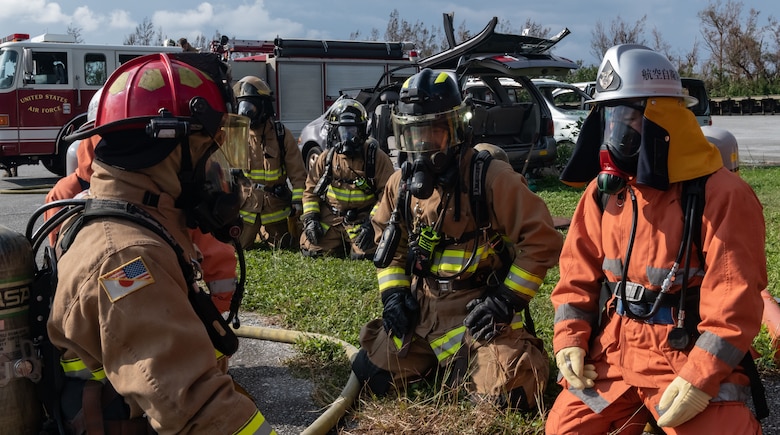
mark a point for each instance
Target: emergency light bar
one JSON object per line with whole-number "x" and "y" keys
{"x": 16, "y": 37}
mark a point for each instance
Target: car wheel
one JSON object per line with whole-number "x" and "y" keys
{"x": 311, "y": 156}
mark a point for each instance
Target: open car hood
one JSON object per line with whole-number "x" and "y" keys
{"x": 504, "y": 54}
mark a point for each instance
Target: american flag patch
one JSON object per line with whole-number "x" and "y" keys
{"x": 126, "y": 279}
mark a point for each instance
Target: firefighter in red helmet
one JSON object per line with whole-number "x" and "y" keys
{"x": 134, "y": 337}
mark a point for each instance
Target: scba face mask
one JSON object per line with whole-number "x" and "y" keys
{"x": 432, "y": 141}
{"x": 348, "y": 140}
{"x": 214, "y": 190}
{"x": 258, "y": 110}
{"x": 619, "y": 152}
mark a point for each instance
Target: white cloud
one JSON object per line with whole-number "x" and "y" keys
{"x": 86, "y": 19}
{"x": 120, "y": 19}
{"x": 36, "y": 11}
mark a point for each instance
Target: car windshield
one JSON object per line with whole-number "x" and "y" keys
{"x": 7, "y": 67}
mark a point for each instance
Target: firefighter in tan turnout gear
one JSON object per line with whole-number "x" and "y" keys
{"x": 274, "y": 158}
{"x": 343, "y": 186}
{"x": 456, "y": 270}
{"x": 672, "y": 244}
{"x": 135, "y": 353}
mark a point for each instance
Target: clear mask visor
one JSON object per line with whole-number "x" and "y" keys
{"x": 623, "y": 129}
{"x": 235, "y": 141}
{"x": 430, "y": 133}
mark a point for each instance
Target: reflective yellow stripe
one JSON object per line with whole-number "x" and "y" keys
{"x": 517, "y": 325}
{"x": 75, "y": 368}
{"x": 248, "y": 217}
{"x": 393, "y": 277}
{"x": 311, "y": 207}
{"x": 349, "y": 196}
{"x": 297, "y": 194}
{"x": 278, "y": 216}
{"x": 449, "y": 343}
{"x": 398, "y": 342}
{"x": 256, "y": 426}
{"x": 453, "y": 260}
{"x": 265, "y": 176}
{"x": 523, "y": 282}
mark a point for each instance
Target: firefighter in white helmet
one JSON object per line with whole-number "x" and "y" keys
{"x": 275, "y": 170}
{"x": 675, "y": 242}
{"x": 139, "y": 348}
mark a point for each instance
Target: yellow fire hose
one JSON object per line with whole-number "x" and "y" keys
{"x": 26, "y": 190}
{"x": 325, "y": 422}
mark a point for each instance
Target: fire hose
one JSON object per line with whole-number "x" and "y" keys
{"x": 328, "y": 419}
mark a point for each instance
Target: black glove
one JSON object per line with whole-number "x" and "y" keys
{"x": 312, "y": 227}
{"x": 365, "y": 238}
{"x": 400, "y": 311}
{"x": 491, "y": 312}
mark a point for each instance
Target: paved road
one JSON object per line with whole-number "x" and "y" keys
{"x": 758, "y": 136}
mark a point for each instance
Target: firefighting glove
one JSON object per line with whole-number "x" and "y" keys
{"x": 490, "y": 313}
{"x": 681, "y": 402}
{"x": 365, "y": 237}
{"x": 312, "y": 227}
{"x": 571, "y": 364}
{"x": 400, "y": 311}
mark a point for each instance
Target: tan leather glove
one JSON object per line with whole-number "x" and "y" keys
{"x": 571, "y": 363}
{"x": 681, "y": 402}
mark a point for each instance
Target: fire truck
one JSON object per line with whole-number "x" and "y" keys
{"x": 307, "y": 75}
{"x": 46, "y": 83}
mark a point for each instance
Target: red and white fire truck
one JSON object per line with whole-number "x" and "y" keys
{"x": 307, "y": 75}
{"x": 46, "y": 82}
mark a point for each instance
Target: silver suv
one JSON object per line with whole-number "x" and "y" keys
{"x": 569, "y": 106}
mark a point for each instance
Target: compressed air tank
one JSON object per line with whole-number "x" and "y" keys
{"x": 20, "y": 410}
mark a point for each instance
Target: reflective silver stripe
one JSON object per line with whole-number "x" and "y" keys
{"x": 591, "y": 398}
{"x": 393, "y": 277}
{"x": 720, "y": 348}
{"x": 523, "y": 281}
{"x": 657, "y": 275}
{"x": 614, "y": 265}
{"x": 449, "y": 343}
{"x": 732, "y": 393}
{"x": 226, "y": 285}
{"x": 568, "y": 312}
{"x": 248, "y": 216}
{"x": 75, "y": 368}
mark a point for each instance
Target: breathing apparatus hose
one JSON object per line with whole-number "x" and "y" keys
{"x": 328, "y": 419}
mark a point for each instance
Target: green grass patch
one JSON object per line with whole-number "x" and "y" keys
{"x": 337, "y": 297}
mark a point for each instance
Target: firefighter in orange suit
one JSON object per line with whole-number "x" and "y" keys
{"x": 679, "y": 307}
{"x": 132, "y": 342}
{"x": 456, "y": 271}
{"x": 343, "y": 186}
{"x": 274, "y": 159}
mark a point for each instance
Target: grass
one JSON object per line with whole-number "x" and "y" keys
{"x": 336, "y": 297}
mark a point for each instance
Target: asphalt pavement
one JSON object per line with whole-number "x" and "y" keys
{"x": 259, "y": 365}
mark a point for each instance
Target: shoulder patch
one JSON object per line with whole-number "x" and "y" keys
{"x": 126, "y": 279}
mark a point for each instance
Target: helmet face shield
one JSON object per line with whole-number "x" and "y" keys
{"x": 234, "y": 140}
{"x": 623, "y": 134}
{"x": 430, "y": 133}
{"x": 348, "y": 133}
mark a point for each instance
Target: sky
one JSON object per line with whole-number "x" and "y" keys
{"x": 110, "y": 22}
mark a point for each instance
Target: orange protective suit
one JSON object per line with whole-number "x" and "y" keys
{"x": 633, "y": 359}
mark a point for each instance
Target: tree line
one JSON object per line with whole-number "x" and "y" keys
{"x": 738, "y": 55}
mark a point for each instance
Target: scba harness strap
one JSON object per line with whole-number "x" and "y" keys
{"x": 52, "y": 386}
{"x": 692, "y": 200}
